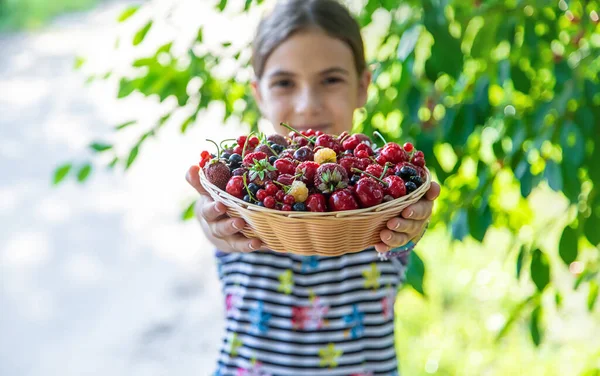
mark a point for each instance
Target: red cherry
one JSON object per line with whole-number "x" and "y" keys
{"x": 318, "y": 133}
{"x": 419, "y": 162}
{"x": 286, "y": 207}
{"x": 382, "y": 160}
{"x": 361, "y": 154}
{"x": 254, "y": 141}
{"x": 271, "y": 189}
{"x": 351, "y": 142}
{"x": 285, "y": 166}
{"x": 241, "y": 141}
{"x": 316, "y": 203}
{"x": 348, "y": 163}
{"x": 279, "y": 196}
{"x": 342, "y": 200}
{"x": 238, "y": 150}
{"x": 235, "y": 187}
{"x": 285, "y": 179}
{"x": 369, "y": 192}
{"x": 289, "y": 199}
{"x": 394, "y": 153}
{"x": 365, "y": 147}
{"x": 300, "y": 141}
{"x": 375, "y": 170}
{"x": 261, "y": 195}
{"x": 408, "y": 147}
{"x": 395, "y": 186}
{"x": 269, "y": 202}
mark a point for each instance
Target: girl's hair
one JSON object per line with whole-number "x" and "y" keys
{"x": 291, "y": 16}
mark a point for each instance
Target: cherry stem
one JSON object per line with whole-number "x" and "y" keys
{"x": 371, "y": 176}
{"x": 246, "y": 143}
{"x": 248, "y": 189}
{"x": 376, "y": 133}
{"x": 297, "y": 132}
{"x": 218, "y": 148}
{"x": 227, "y": 139}
{"x": 344, "y": 138}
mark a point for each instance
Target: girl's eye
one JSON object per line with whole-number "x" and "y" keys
{"x": 332, "y": 80}
{"x": 282, "y": 84}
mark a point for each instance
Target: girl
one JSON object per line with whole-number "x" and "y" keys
{"x": 295, "y": 315}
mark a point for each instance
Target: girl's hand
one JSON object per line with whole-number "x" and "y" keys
{"x": 222, "y": 231}
{"x": 411, "y": 224}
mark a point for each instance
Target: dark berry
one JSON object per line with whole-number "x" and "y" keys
{"x": 278, "y": 148}
{"x": 406, "y": 172}
{"x": 410, "y": 187}
{"x": 272, "y": 159}
{"x": 261, "y": 204}
{"x": 225, "y": 156}
{"x": 299, "y": 206}
{"x": 417, "y": 180}
{"x": 235, "y": 160}
{"x": 304, "y": 154}
{"x": 247, "y": 198}
{"x": 253, "y": 188}
{"x": 354, "y": 179}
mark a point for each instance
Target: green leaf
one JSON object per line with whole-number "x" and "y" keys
{"x": 187, "y": 122}
{"x": 79, "y": 61}
{"x": 84, "y": 172}
{"x": 125, "y": 125}
{"x": 540, "y": 269}
{"x": 200, "y": 35}
{"x": 572, "y": 143}
{"x": 188, "y": 213}
{"x": 525, "y": 178}
{"x": 132, "y": 156}
{"x": 520, "y": 80}
{"x": 558, "y": 299}
{"x": 572, "y": 188}
{"x": 480, "y": 220}
{"x": 514, "y": 315}
{"x": 113, "y": 163}
{"x": 222, "y": 4}
{"x": 591, "y": 228}
{"x": 591, "y": 372}
{"x": 592, "y": 295}
{"x": 99, "y": 147}
{"x": 408, "y": 41}
{"x": 553, "y": 174}
{"x": 568, "y": 247}
{"x": 563, "y": 73}
{"x": 460, "y": 225}
{"x": 520, "y": 257}
{"x": 61, "y": 172}
{"x": 534, "y": 326}
{"x": 130, "y": 11}
{"x": 141, "y": 33}
{"x": 415, "y": 273}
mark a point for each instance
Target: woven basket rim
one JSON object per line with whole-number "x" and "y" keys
{"x": 385, "y": 206}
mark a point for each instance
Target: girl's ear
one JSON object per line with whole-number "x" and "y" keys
{"x": 255, "y": 84}
{"x": 363, "y": 87}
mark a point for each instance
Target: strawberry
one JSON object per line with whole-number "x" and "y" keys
{"x": 316, "y": 203}
{"x": 395, "y": 186}
{"x": 217, "y": 173}
{"x": 307, "y": 171}
{"x": 252, "y": 158}
{"x": 342, "y": 200}
{"x": 330, "y": 177}
{"x": 235, "y": 187}
{"x": 369, "y": 192}
{"x": 285, "y": 166}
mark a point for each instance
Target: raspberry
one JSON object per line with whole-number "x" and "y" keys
{"x": 325, "y": 155}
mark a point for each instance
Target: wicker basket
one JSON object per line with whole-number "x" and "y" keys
{"x": 309, "y": 233}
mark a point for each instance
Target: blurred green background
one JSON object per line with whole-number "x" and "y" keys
{"x": 33, "y": 14}
{"x": 503, "y": 97}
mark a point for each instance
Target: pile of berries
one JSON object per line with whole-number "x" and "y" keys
{"x": 313, "y": 171}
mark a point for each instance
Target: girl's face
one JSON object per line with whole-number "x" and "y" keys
{"x": 310, "y": 81}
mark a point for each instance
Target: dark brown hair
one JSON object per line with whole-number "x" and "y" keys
{"x": 291, "y": 16}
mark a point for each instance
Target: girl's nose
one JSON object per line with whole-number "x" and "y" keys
{"x": 308, "y": 101}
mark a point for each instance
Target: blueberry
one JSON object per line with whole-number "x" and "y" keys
{"x": 410, "y": 187}
{"x": 253, "y": 188}
{"x": 406, "y": 172}
{"x": 278, "y": 148}
{"x": 247, "y": 198}
{"x": 235, "y": 158}
{"x": 225, "y": 156}
{"x": 417, "y": 180}
{"x": 299, "y": 206}
{"x": 260, "y": 203}
{"x": 349, "y": 152}
{"x": 272, "y": 159}
{"x": 354, "y": 179}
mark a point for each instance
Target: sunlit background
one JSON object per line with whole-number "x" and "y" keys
{"x": 104, "y": 277}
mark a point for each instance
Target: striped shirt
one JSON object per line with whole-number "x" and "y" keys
{"x": 290, "y": 315}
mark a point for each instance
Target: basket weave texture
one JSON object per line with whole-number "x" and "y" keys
{"x": 314, "y": 234}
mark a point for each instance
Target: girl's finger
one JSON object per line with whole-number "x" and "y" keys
{"x": 226, "y": 227}
{"x": 418, "y": 211}
{"x": 210, "y": 210}
{"x": 241, "y": 243}
{"x": 194, "y": 180}
{"x": 408, "y": 226}
{"x": 394, "y": 239}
